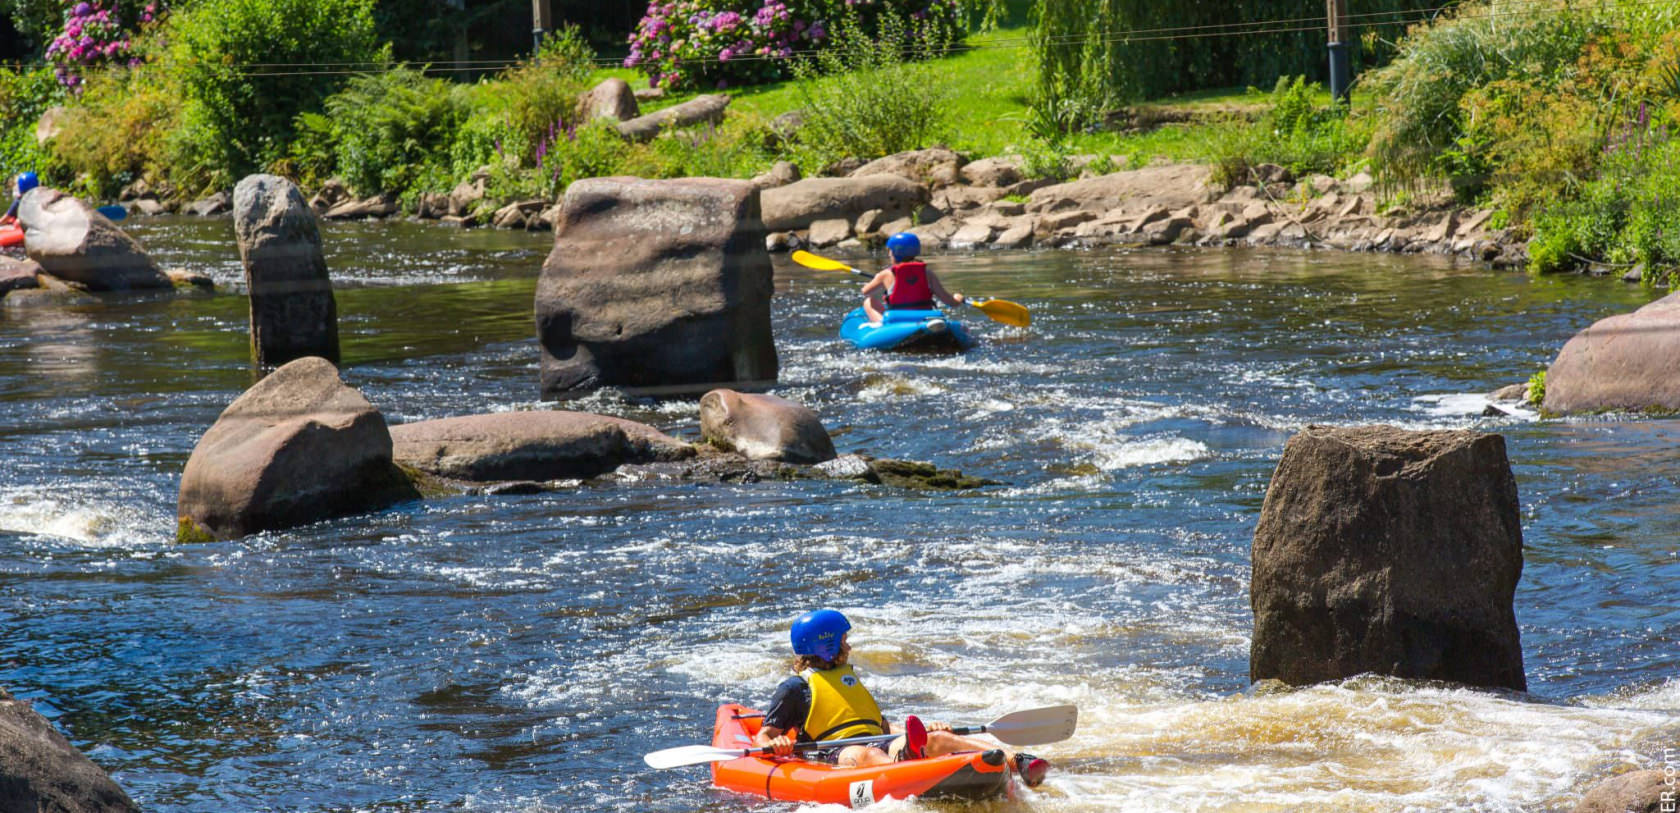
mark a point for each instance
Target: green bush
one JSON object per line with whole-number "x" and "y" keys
{"x": 1536, "y": 391}
{"x": 247, "y": 68}
{"x": 387, "y": 126}
{"x": 1420, "y": 95}
{"x": 1629, "y": 214}
{"x": 869, "y": 96}
{"x": 24, "y": 96}
{"x": 1296, "y": 133}
{"x": 119, "y": 129}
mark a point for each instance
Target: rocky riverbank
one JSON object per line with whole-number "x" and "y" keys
{"x": 957, "y": 204}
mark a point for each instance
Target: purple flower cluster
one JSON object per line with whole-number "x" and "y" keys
{"x": 94, "y": 35}
{"x": 697, "y": 43}
{"x": 683, "y": 44}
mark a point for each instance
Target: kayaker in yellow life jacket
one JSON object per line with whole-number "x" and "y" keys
{"x": 907, "y": 284}
{"x": 827, "y": 701}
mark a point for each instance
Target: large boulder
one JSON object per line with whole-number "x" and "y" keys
{"x": 1171, "y": 186}
{"x": 538, "y": 445}
{"x": 656, "y": 287}
{"x": 74, "y": 242}
{"x": 298, "y": 447}
{"x": 1648, "y": 791}
{"x": 994, "y": 172}
{"x": 612, "y": 99}
{"x": 41, "y": 771}
{"x": 1388, "y": 551}
{"x": 936, "y": 167}
{"x": 707, "y": 109}
{"x": 799, "y": 204}
{"x": 293, "y": 312}
{"x": 764, "y": 427}
{"x": 1628, "y": 361}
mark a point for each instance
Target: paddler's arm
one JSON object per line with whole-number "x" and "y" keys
{"x": 880, "y": 282}
{"x": 777, "y": 739}
{"x": 939, "y": 292}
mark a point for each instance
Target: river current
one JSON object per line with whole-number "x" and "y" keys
{"x": 513, "y": 653}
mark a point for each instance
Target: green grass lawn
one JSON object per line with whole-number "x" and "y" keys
{"x": 988, "y": 87}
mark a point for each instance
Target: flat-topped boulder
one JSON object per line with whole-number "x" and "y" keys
{"x": 797, "y": 205}
{"x": 41, "y": 771}
{"x": 297, "y": 447}
{"x": 657, "y": 288}
{"x": 75, "y": 243}
{"x": 936, "y": 167}
{"x": 1388, "y": 551}
{"x": 536, "y": 445}
{"x": 1170, "y": 186}
{"x": 1630, "y": 361}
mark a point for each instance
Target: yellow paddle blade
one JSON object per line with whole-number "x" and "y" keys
{"x": 810, "y": 260}
{"x": 1002, "y": 310}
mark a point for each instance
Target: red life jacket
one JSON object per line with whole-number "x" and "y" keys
{"x": 910, "y": 290}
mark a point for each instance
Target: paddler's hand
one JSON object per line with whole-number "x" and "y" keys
{"x": 937, "y": 726}
{"x": 782, "y": 746}
{"x": 960, "y": 301}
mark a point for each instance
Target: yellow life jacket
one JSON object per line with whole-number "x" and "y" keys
{"x": 840, "y": 706}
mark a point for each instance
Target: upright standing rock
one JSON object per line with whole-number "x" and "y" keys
{"x": 298, "y": 447}
{"x": 656, "y": 287}
{"x": 41, "y": 771}
{"x": 74, "y": 242}
{"x": 293, "y": 313}
{"x": 1388, "y": 551}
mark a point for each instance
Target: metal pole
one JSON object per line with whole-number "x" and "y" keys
{"x": 542, "y": 22}
{"x": 1341, "y": 68}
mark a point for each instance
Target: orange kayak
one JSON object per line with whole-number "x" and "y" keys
{"x": 10, "y": 235}
{"x": 963, "y": 775}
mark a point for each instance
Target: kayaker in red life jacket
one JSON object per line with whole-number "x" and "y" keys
{"x": 827, "y": 701}
{"x": 25, "y": 182}
{"x": 907, "y": 284}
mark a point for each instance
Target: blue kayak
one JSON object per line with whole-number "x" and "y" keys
{"x": 905, "y": 330}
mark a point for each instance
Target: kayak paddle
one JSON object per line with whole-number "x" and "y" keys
{"x": 1029, "y": 727}
{"x": 998, "y": 310}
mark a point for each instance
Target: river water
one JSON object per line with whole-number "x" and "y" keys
{"x": 510, "y": 653}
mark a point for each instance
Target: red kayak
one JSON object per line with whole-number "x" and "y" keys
{"x": 963, "y": 775}
{"x": 11, "y": 235}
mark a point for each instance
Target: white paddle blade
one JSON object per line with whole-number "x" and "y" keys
{"x": 691, "y": 755}
{"x": 1036, "y": 726}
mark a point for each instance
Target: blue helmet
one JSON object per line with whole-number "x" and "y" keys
{"x": 27, "y": 181}
{"x": 904, "y": 245}
{"x": 818, "y": 633}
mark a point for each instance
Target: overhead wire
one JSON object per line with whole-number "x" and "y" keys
{"x": 1252, "y": 28}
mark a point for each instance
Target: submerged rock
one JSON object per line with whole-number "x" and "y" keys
{"x": 1649, "y": 791}
{"x": 1392, "y": 552}
{"x": 764, "y": 427}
